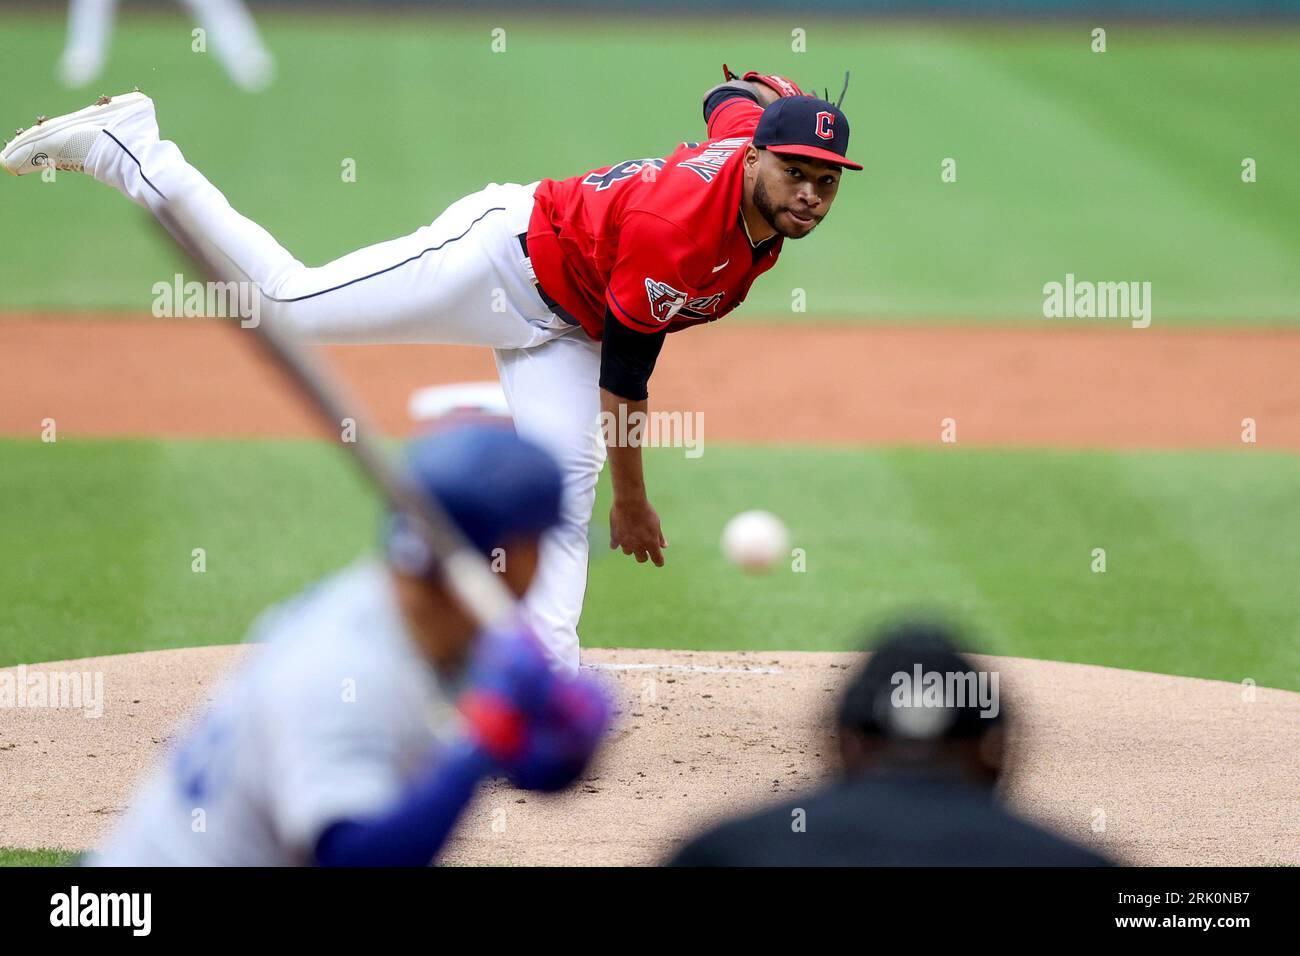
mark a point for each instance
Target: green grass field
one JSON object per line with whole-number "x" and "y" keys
{"x": 1199, "y": 549}
{"x": 1116, "y": 166}
{"x": 12, "y": 857}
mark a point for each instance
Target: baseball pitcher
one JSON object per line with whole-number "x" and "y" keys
{"x": 573, "y": 283}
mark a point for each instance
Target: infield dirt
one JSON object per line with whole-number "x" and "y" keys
{"x": 831, "y": 384}
{"x": 1147, "y": 768}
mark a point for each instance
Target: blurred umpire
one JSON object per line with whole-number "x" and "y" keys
{"x": 917, "y": 785}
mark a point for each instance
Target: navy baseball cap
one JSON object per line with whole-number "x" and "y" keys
{"x": 492, "y": 484}
{"x": 805, "y": 126}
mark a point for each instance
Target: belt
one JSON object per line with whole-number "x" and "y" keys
{"x": 551, "y": 304}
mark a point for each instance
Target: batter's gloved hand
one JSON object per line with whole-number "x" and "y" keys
{"x": 780, "y": 85}
{"x": 558, "y": 746}
{"x": 540, "y": 728}
{"x": 509, "y": 668}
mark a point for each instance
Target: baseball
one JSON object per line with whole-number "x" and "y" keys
{"x": 755, "y": 540}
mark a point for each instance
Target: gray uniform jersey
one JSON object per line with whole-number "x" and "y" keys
{"x": 328, "y": 720}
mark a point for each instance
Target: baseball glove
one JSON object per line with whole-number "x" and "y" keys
{"x": 779, "y": 85}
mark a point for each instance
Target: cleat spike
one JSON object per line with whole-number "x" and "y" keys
{"x": 103, "y": 100}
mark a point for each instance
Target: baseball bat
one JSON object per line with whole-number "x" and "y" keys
{"x": 464, "y": 571}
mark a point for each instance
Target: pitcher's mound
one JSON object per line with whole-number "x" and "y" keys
{"x": 1147, "y": 768}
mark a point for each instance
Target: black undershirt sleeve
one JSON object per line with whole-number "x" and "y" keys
{"x": 627, "y": 357}
{"x": 720, "y": 94}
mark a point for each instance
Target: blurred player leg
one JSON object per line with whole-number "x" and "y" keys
{"x": 554, "y": 398}
{"x": 235, "y": 41}
{"x": 90, "y": 26}
{"x": 459, "y": 280}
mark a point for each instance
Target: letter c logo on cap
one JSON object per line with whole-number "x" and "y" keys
{"x": 824, "y": 122}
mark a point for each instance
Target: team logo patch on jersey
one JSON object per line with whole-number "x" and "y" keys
{"x": 666, "y": 302}
{"x": 624, "y": 170}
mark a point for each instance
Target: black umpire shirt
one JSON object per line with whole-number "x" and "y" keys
{"x": 895, "y": 818}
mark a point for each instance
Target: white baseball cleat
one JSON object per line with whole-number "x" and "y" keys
{"x": 64, "y": 141}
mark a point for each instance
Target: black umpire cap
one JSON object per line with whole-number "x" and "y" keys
{"x": 917, "y": 687}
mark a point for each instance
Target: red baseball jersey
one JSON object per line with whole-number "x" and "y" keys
{"x": 660, "y": 242}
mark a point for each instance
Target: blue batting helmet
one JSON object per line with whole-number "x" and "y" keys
{"x": 491, "y": 483}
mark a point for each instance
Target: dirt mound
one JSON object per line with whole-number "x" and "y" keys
{"x": 1148, "y": 768}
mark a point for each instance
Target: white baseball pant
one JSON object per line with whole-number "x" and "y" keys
{"x": 462, "y": 279}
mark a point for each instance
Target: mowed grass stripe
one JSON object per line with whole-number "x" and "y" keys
{"x": 1200, "y": 579}
{"x": 101, "y": 537}
{"x": 1196, "y": 554}
{"x": 1116, "y": 166}
{"x": 1240, "y": 524}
